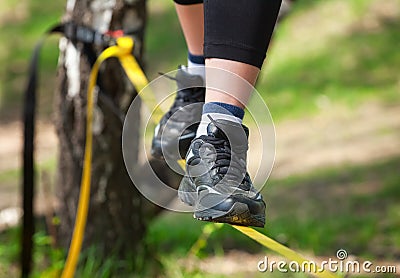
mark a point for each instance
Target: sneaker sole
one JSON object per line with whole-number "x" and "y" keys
{"x": 238, "y": 214}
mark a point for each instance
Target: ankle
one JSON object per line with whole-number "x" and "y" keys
{"x": 217, "y": 111}
{"x": 196, "y": 65}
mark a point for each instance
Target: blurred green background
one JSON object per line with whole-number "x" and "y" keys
{"x": 331, "y": 81}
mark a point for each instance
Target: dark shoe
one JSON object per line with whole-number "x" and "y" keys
{"x": 178, "y": 126}
{"x": 216, "y": 181}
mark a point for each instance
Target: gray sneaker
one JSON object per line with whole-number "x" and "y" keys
{"x": 216, "y": 181}
{"x": 179, "y": 124}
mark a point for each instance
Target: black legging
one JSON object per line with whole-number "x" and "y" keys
{"x": 238, "y": 30}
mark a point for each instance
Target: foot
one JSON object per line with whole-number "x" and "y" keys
{"x": 178, "y": 126}
{"x": 216, "y": 182}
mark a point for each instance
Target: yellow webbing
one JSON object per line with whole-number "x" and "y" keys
{"x": 279, "y": 248}
{"x": 123, "y": 51}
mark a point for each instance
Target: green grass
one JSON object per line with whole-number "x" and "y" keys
{"x": 9, "y": 251}
{"x": 47, "y": 260}
{"x": 350, "y": 207}
{"x": 18, "y": 38}
{"x": 310, "y": 67}
{"x": 10, "y": 175}
{"x": 10, "y": 179}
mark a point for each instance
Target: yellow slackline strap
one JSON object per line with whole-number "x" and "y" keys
{"x": 137, "y": 76}
{"x": 279, "y": 248}
{"x": 123, "y": 51}
{"x": 264, "y": 240}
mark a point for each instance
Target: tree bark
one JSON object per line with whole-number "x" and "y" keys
{"x": 115, "y": 221}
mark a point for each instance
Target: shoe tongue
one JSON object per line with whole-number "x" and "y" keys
{"x": 214, "y": 131}
{"x": 187, "y": 80}
{"x": 233, "y": 132}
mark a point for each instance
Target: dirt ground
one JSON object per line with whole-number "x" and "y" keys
{"x": 11, "y": 160}
{"x": 335, "y": 136}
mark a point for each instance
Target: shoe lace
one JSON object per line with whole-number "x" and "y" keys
{"x": 227, "y": 162}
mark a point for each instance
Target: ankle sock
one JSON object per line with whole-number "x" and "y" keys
{"x": 219, "y": 110}
{"x": 196, "y": 65}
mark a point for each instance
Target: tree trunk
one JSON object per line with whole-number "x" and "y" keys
{"x": 115, "y": 222}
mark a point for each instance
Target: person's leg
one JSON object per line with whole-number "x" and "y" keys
{"x": 238, "y": 92}
{"x": 237, "y": 35}
{"x": 191, "y": 18}
{"x": 229, "y": 85}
